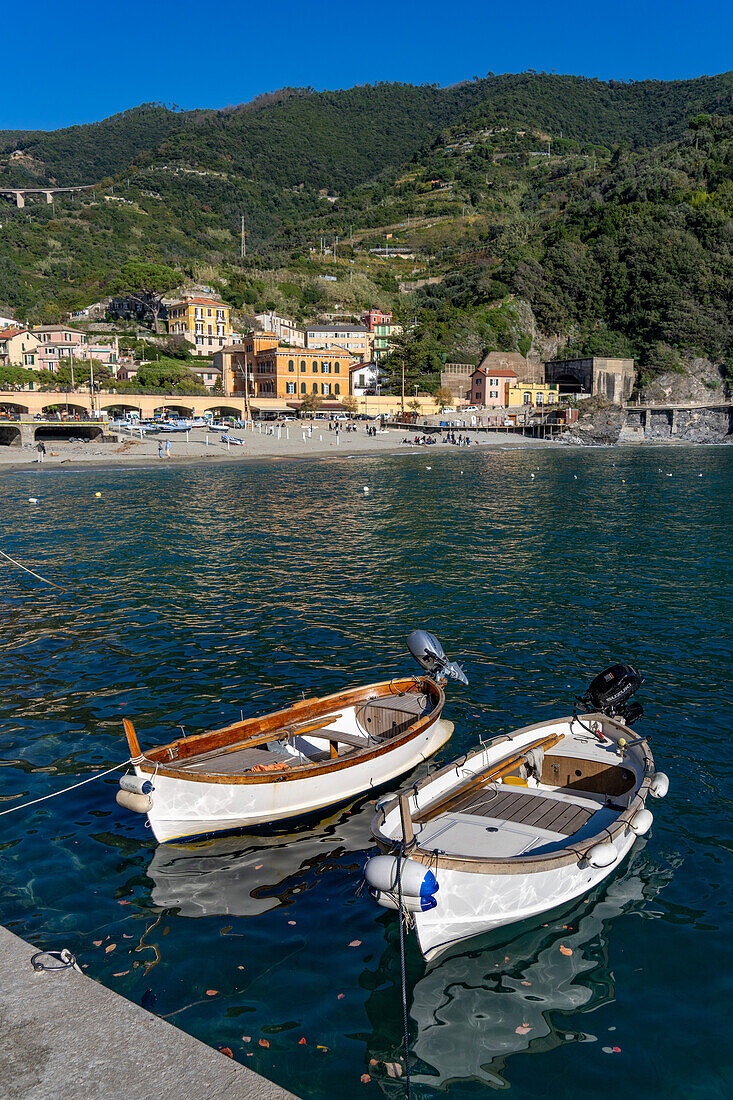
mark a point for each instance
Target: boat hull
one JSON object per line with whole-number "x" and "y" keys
{"x": 186, "y": 808}
{"x": 470, "y": 905}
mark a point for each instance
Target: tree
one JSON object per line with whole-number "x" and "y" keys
{"x": 146, "y": 283}
{"x": 414, "y": 405}
{"x": 350, "y": 403}
{"x": 311, "y": 402}
{"x": 14, "y": 378}
{"x": 444, "y": 397}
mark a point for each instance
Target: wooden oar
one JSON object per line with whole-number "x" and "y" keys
{"x": 495, "y": 771}
{"x": 299, "y": 728}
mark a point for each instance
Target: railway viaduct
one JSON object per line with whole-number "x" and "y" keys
{"x": 21, "y": 193}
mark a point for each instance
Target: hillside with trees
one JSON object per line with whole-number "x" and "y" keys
{"x": 598, "y": 214}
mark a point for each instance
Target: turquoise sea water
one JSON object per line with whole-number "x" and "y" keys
{"x": 193, "y": 593}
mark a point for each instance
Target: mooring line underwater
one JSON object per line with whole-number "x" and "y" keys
{"x": 26, "y": 570}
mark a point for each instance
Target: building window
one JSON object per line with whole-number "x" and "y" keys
{"x": 336, "y": 368}
{"x": 291, "y": 387}
{"x": 291, "y": 365}
{"x": 362, "y": 381}
{"x": 337, "y": 388}
{"x": 315, "y": 387}
{"x": 315, "y": 367}
{"x": 325, "y": 387}
{"x": 302, "y": 366}
{"x": 302, "y": 387}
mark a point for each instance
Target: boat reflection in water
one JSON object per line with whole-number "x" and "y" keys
{"x": 474, "y": 1008}
{"x": 249, "y": 874}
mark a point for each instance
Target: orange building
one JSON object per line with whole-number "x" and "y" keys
{"x": 294, "y": 372}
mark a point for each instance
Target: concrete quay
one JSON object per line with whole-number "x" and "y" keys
{"x": 64, "y": 1036}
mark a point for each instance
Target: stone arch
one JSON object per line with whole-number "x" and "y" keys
{"x": 224, "y": 410}
{"x": 9, "y": 435}
{"x": 173, "y": 410}
{"x": 12, "y": 408}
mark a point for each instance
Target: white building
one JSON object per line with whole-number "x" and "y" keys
{"x": 356, "y": 339}
{"x": 366, "y": 378}
{"x": 286, "y": 330}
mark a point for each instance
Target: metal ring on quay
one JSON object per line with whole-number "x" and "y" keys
{"x": 64, "y": 956}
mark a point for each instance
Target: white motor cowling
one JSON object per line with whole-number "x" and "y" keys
{"x": 659, "y": 785}
{"x": 641, "y": 822}
{"x": 381, "y": 873}
{"x": 602, "y": 855}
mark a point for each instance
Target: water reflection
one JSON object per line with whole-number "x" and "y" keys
{"x": 248, "y": 875}
{"x": 474, "y": 1008}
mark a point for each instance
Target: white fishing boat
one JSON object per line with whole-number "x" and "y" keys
{"x": 314, "y": 754}
{"x": 522, "y": 825}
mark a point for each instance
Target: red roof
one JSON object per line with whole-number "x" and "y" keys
{"x": 200, "y": 302}
{"x": 12, "y": 331}
{"x": 504, "y": 372}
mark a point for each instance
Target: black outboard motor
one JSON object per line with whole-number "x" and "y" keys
{"x": 429, "y": 654}
{"x": 610, "y": 691}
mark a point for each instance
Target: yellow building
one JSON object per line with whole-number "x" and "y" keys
{"x": 19, "y": 347}
{"x": 533, "y": 393}
{"x": 204, "y": 322}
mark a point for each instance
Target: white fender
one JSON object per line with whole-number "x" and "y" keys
{"x": 641, "y": 822}
{"x": 602, "y": 855}
{"x": 136, "y": 784}
{"x": 659, "y": 785}
{"x": 411, "y": 904}
{"x": 417, "y": 881}
{"x": 139, "y": 803}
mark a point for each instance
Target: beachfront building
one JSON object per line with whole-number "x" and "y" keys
{"x": 354, "y": 339}
{"x": 237, "y": 360}
{"x": 204, "y": 322}
{"x": 535, "y": 394}
{"x": 286, "y": 330}
{"x": 490, "y": 388}
{"x": 18, "y": 347}
{"x": 367, "y": 378}
{"x": 59, "y": 342}
{"x": 281, "y": 372}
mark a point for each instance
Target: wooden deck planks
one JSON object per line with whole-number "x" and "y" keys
{"x": 535, "y": 810}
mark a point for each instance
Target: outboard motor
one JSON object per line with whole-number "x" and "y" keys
{"x": 429, "y": 654}
{"x": 610, "y": 691}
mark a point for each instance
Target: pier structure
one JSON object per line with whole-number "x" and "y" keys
{"x": 62, "y": 1034}
{"x": 21, "y": 193}
{"x": 672, "y": 421}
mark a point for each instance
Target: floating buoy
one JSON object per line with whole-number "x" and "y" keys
{"x": 428, "y": 467}
{"x": 366, "y": 488}
{"x": 532, "y": 476}
{"x": 33, "y": 500}
{"x": 97, "y": 494}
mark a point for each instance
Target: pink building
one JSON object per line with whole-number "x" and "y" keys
{"x": 490, "y": 387}
{"x": 57, "y": 342}
{"x": 374, "y": 317}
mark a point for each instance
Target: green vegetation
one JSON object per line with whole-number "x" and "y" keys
{"x": 600, "y": 212}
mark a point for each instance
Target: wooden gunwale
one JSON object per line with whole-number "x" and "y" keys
{"x": 517, "y": 865}
{"x": 306, "y": 708}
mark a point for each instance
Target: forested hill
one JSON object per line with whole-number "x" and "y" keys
{"x": 342, "y": 138}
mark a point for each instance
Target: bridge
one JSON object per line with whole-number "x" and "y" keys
{"x": 20, "y": 193}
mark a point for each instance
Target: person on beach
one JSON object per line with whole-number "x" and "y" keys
{"x": 168, "y": 448}
{"x": 160, "y": 448}
{"x": 41, "y": 448}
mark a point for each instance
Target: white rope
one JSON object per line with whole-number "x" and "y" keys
{"x": 65, "y": 789}
{"x": 36, "y": 575}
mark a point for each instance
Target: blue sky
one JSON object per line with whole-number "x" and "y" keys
{"x": 80, "y": 61}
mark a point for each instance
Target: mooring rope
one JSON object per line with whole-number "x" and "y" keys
{"x": 401, "y": 918}
{"x": 26, "y": 570}
{"x": 73, "y": 787}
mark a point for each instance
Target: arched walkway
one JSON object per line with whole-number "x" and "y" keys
{"x": 65, "y": 429}
{"x": 9, "y": 435}
{"x": 224, "y": 410}
{"x": 173, "y": 410}
{"x": 10, "y": 408}
{"x": 62, "y": 410}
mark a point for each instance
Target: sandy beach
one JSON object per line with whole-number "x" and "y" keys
{"x": 295, "y": 442}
